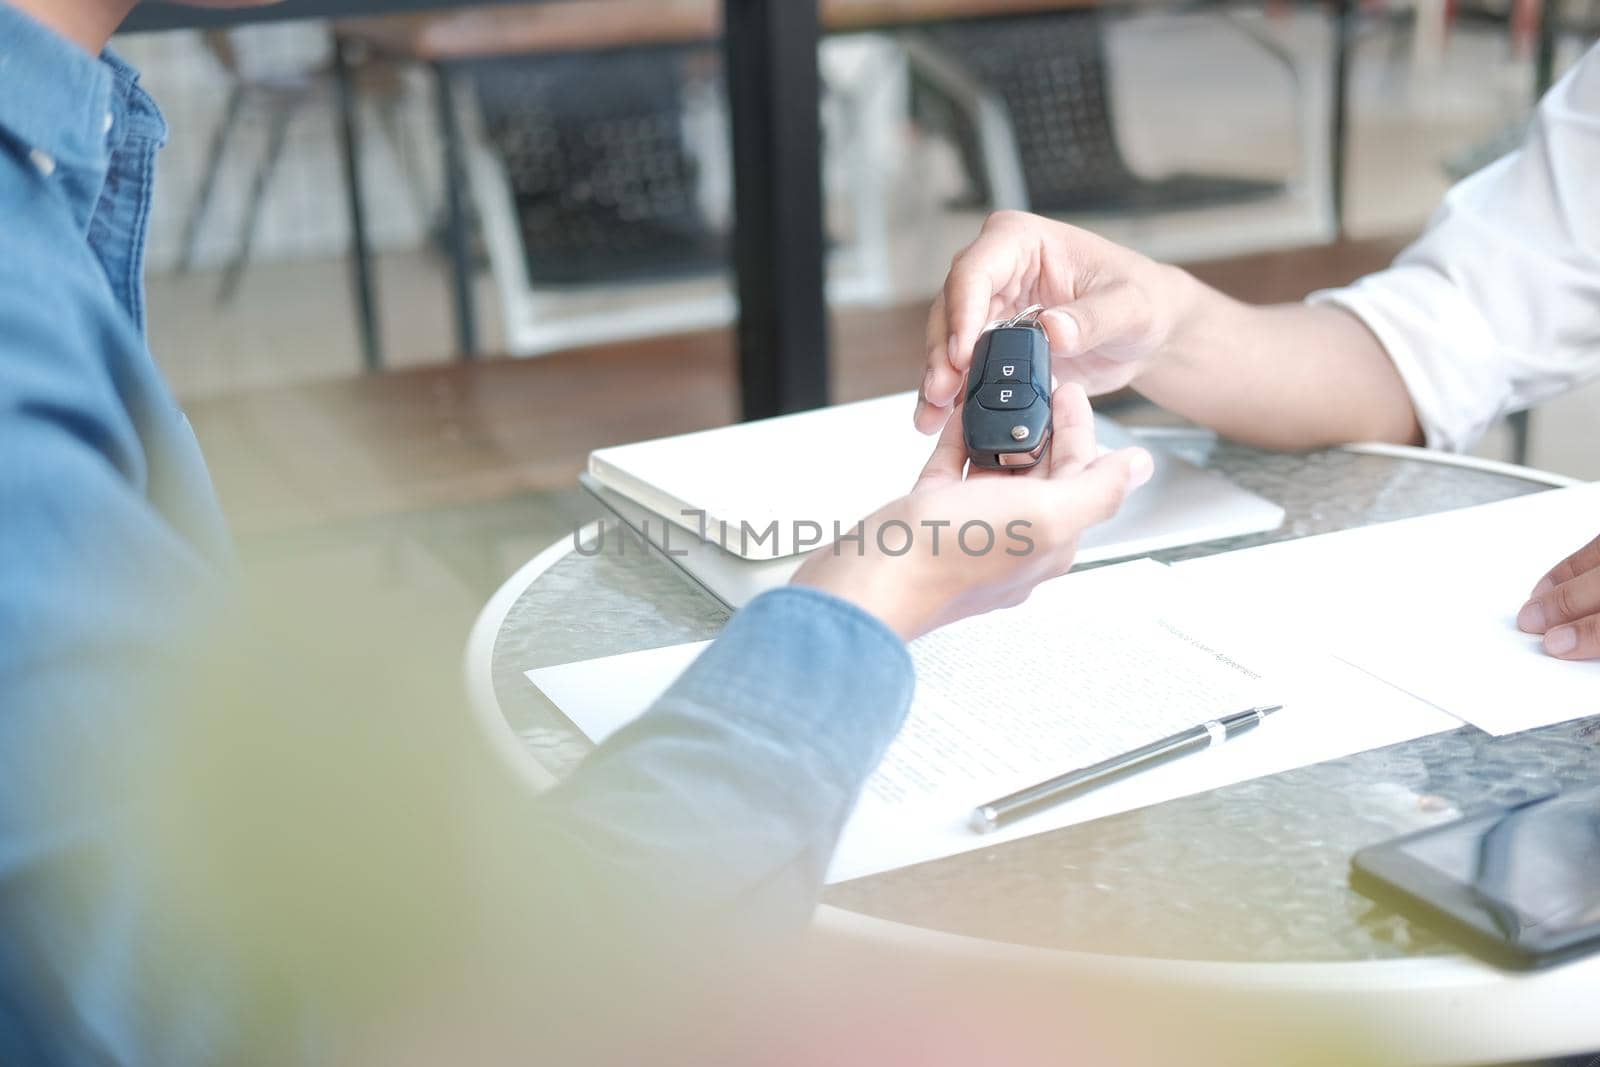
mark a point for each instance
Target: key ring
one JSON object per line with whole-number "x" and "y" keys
{"x": 1030, "y": 312}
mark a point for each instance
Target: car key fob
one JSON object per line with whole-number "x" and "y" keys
{"x": 1006, "y": 417}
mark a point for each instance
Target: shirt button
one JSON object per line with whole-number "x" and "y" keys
{"x": 107, "y": 127}
{"x": 43, "y": 160}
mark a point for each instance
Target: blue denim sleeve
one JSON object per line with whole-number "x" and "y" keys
{"x": 727, "y": 797}
{"x": 97, "y": 587}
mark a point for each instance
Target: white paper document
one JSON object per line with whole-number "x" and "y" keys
{"x": 1430, "y": 604}
{"x": 1093, "y": 665}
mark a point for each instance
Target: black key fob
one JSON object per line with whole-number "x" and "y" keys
{"x": 1006, "y": 417}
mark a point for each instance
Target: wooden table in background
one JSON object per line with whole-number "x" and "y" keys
{"x": 596, "y": 25}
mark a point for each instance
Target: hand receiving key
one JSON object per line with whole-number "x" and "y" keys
{"x": 924, "y": 582}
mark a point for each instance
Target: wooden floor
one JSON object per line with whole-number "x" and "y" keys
{"x": 289, "y": 458}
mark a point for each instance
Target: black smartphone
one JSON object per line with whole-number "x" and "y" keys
{"x": 1518, "y": 887}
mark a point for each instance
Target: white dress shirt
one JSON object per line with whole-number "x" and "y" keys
{"x": 1496, "y": 307}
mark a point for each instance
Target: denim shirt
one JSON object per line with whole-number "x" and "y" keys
{"x": 729, "y": 793}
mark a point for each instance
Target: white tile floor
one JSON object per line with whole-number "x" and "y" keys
{"x": 293, "y": 321}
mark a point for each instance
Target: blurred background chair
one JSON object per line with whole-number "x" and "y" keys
{"x": 601, "y": 182}
{"x": 276, "y": 96}
{"x": 587, "y": 183}
{"x": 1028, "y": 102}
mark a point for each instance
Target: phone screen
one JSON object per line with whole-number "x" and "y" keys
{"x": 1528, "y": 875}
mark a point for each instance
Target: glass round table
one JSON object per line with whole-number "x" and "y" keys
{"x": 1245, "y": 885}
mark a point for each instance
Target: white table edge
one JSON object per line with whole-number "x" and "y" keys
{"x": 478, "y": 659}
{"x": 1454, "y": 459}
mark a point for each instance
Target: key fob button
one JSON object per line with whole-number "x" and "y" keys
{"x": 1012, "y": 371}
{"x": 1000, "y": 396}
{"x": 1008, "y": 353}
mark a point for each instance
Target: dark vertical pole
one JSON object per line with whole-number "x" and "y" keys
{"x": 1544, "y": 58}
{"x": 770, "y": 52}
{"x": 360, "y": 256}
{"x": 1344, "y": 15}
{"x": 1521, "y": 424}
{"x": 457, "y": 237}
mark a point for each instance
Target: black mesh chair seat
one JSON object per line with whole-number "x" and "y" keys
{"x": 1051, "y": 73}
{"x": 602, "y": 181}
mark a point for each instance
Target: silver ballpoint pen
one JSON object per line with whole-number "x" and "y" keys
{"x": 996, "y": 813}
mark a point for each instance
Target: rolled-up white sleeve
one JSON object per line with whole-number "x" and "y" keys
{"x": 1497, "y": 306}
